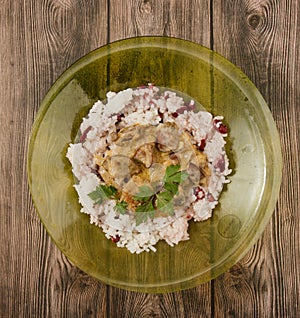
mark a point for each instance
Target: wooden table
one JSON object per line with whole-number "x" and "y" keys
{"x": 39, "y": 40}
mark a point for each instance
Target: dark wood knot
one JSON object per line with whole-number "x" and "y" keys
{"x": 254, "y": 20}
{"x": 146, "y": 7}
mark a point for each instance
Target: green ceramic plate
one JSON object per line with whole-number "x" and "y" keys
{"x": 246, "y": 204}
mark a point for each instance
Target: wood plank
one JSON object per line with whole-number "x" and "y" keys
{"x": 186, "y": 19}
{"x": 39, "y": 39}
{"x": 194, "y": 302}
{"x": 260, "y": 39}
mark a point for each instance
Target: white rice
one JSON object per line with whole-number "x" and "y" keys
{"x": 147, "y": 105}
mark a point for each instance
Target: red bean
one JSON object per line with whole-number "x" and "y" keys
{"x": 115, "y": 239}
{"x": 202, "y": 145}
{"x": 222, "y": 129}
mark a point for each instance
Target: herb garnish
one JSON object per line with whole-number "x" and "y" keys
{"x": 150, "y": 198}
{"x": 121, "y": 207}
{"x": 103, "y": 193}
{"x": 145, "y": 210}
{"x": 161, "y": 200}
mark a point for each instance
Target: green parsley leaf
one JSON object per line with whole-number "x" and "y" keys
{"x": 140, "y": 218}
{"x": 164, "y": 202}
{"x": 103, "y": 193}
{"x": 95, "y": 195}
{"x": 174, "y": 175}
{"x": 171, "y": 170}
{"x": 144, "y": 211}
{"x": 168, "y": 208}
{"x": 144, "y": 193}
{"x": 172, "y": 187}
{"x": 178, "y": 177}
{"x": 163, "y": 198}
{"x": 145, "y": 207}
{"x": 109, "y": 191}
{"x": 121, "y": 207}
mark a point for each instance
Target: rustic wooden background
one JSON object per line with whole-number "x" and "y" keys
{"x": 39, "y": 39}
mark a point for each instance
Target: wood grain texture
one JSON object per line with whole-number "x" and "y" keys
{"x": 38, "y": 41}
{"x": 188, "y": 19}
{"x": 263, "y": 40}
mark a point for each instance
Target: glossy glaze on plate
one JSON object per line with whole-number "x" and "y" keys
{"x": 253, "y": 147}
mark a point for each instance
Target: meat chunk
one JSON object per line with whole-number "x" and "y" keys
{"x": 145, "y": 154}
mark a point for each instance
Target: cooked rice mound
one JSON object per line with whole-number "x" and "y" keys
{"x": 130, "y": 142}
